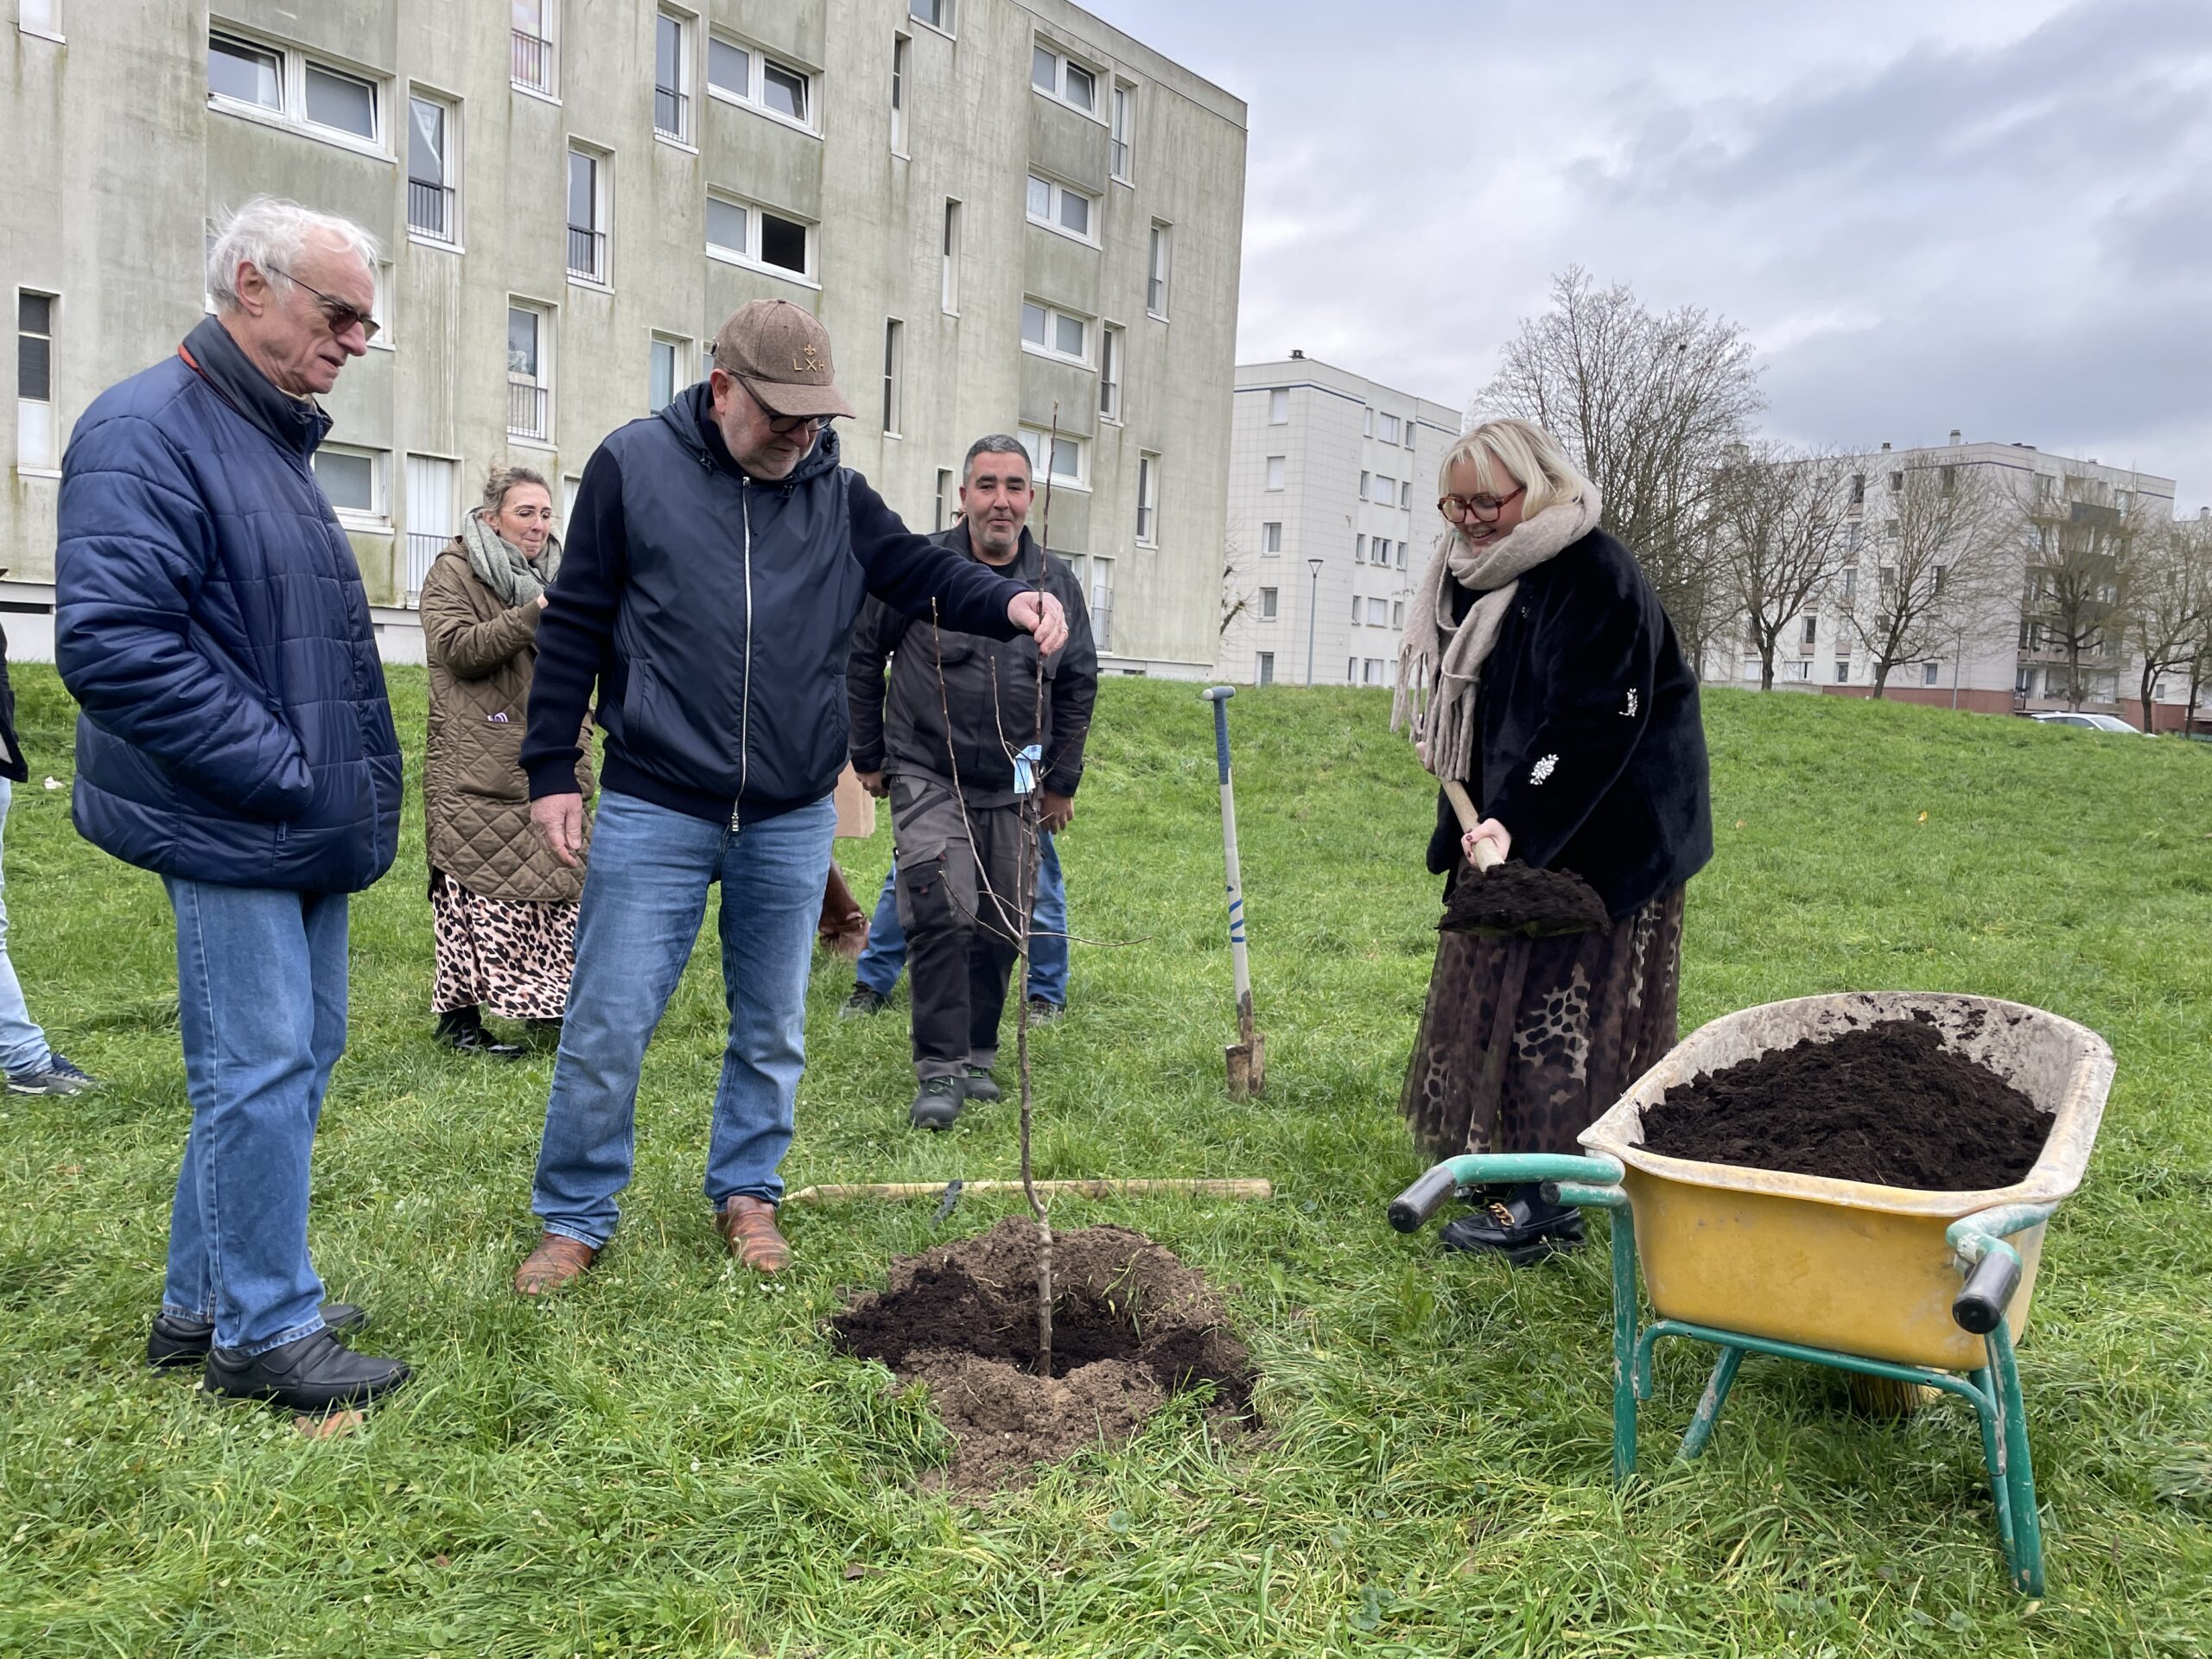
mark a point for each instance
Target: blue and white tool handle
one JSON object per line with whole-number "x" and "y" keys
{"x": 1025, "y": 768}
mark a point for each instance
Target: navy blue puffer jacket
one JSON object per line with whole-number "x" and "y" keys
{"x": 210, "y": 621}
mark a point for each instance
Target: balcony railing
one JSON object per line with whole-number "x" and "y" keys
{"x": 526, "y": 401}
{"x": 671, "y": 113}
{"x": 587, "y": 254}
{"x": 423, "y": 547}
{"x": 429, "y": 209}
{"x": 1102, "y": 626}
{"x": 533, "y": 62}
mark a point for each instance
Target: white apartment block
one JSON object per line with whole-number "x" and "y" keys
{"x": 1331, "y": 516}
{"x": 1997, "y": 665}
{"x": 1011, "y": 216}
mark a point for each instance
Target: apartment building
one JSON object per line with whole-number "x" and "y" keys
{"x": 1011, "y": 216}
{"x": 1982, "y": 648}
{"x": 1331, "y": 515}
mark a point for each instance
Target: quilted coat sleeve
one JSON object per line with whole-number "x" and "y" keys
{"x": 473, "y": 650}
{"x": 134, "y": 544}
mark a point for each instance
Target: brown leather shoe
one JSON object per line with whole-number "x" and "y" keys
{"x": 557, "y": 1262}
{"x": 749, "y": 1227}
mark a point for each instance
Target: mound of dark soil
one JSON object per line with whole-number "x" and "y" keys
{"x": 1517, "y": 898}
{"x": 1889, "y": 1105}
{"x": 1131, "y": 1326}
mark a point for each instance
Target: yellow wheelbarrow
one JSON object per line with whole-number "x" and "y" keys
{"x": 1913, "y": 1287}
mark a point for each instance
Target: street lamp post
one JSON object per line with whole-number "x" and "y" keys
{"x": 1313, "y": 610}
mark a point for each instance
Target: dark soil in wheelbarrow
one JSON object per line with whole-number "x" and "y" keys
{"x": 1891, "y": 1104}
{"x": 1131, "y": 1327}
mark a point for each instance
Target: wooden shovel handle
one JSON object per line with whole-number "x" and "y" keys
{"x": 1486, "y": 853}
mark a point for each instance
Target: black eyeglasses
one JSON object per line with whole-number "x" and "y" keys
{"x": 340, "y": 315}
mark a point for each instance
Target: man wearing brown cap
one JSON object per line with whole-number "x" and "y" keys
{"x": 717, "y": 557}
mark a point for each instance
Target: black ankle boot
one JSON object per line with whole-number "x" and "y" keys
{"x": 1519, "y": 1225}
{"x": 463, "y": 1029}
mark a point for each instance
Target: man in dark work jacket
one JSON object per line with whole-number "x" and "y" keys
{"x": 716, "y": 558}
{"x": 959, "y": 708}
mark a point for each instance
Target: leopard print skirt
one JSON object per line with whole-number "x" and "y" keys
{"x": 1596, "y": 1011}
{"x": 511, "y": 956}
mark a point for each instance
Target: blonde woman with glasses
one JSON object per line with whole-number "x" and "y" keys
{"x": 1539, "y": 671}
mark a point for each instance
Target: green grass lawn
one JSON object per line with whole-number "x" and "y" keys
{"x": 671, "y": 1461}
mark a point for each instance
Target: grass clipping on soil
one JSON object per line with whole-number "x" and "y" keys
{"x": 1891, "y": 1105}
{"x": 1131, "y": 1326}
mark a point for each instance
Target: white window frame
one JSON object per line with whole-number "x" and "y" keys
{"x": 1160, "y": 270}
{"x": 1053, "y": 317}
{"x": 1355, "y": 614}
{"x": 1271, "y": 540}
{"x": 1035, "y": 439}
{"x": 542, "y": 380}
{"x": 1386, "y": 490}
{"x": 1387, "y": 428}
{"x": 944, "y": 20}
{"x": 902, "y": 72}
{"x": 36, "y": 414}
{"x": 1406, "y": 494}
{"x": 377, "y": 515}
{"x": 1279, "y": 406}
{"x": 1063, "y": 60}
{"x": 948, "y": 298}
{"x": 1148, "y": 520}
{"x": 449, "y": 166}
{"x": 895, "y": 368}
{"x": 602, "y": 274}
{"x": 1397, "y": 613}
{"x": 750, "y": 259}
{"x": 548, "y": 19}
{"x": 421, "y": 545}
{"x": 1113, "y": 360}
{"x": 291, "y": 111}
{"x": 1367, "y": 422}
{"x": 1270, "y": 603}
{"x": 41, "y": 18}
{"x": 1359, "y": 550}
{"x": 1121, "y": 127}
{"x": 1055, "y": 200}
{"x": 1371, "y": 670}
{"x": 947, "y": 498}
{"x": 1367, "y": 487}
{"x": 679, "y": 353}
{"x": 1378, "y": 612}
{"x": 1278, "y": 472}
{"x": 1263, "y": 667}
{"x": 684, "y": 135}
{"x": 754, "y": 97}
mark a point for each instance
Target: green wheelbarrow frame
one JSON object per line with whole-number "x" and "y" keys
{"x": 1992, "y": 1273}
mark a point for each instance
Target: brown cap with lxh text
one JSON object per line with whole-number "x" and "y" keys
{"x": 780, "y": 354}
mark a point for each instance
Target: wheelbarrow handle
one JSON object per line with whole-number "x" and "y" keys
{"x": 1988, "y": 1291}
{"x": 1423, "y": 1198}
{"x": 1425, "y": 1195}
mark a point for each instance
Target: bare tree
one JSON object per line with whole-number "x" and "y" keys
{"x": 1942, "y": 559}
{"x": 1648, "y": 405}
{"x": 1779, "y": 518}
{"x": 2172, "y": 615}
{"x": 1236, "y": 597}
{"x": 2085, "y": 541}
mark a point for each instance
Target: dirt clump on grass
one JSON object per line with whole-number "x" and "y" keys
{"x": 1131, "y": 1326}
{"x": 1889, "y": 1105}
{"x": 1517, "y": 898}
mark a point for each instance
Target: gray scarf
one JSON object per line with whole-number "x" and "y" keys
{"x": 1439, "y": 660}
{"x": 500, "y": 565}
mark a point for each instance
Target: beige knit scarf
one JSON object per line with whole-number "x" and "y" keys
{"x": 1439, "y": 661}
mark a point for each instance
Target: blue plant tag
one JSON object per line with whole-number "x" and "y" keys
{"x": 1024, "y": 769}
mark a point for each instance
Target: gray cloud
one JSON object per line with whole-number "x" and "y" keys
{"x": 1990, "y": 214}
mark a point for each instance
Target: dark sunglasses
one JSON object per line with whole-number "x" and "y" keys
{"x": 340, "y": 315}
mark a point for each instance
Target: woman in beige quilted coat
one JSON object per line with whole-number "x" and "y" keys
{"x": 502, "y": 908}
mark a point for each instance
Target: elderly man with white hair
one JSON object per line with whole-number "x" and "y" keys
{"x": 235, "y": 740}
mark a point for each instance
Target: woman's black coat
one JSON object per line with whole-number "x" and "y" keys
{"x": 1592, "y": 752}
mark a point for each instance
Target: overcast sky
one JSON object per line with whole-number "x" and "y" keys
{"x": 1991, "y": 214}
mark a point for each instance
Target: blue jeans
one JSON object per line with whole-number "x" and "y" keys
{"x": 261, "y": 1002}
{"x": 22, "y": 1044}
{"x": 644, "y": 896}
{"x": 885, "y": 959}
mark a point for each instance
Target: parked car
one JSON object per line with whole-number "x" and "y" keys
{"x": 2091, "y": 722}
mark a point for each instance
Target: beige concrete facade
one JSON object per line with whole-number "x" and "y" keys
{"x": 772, "y": 124}
{"x": 1320, "y": 566}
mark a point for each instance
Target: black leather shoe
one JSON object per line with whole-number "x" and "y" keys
{"x": 1520, "y": 1227}
{"x": 475, "y": 1039}
{"x": 312, "y": 1374}
{"x": 177, "y": 1342}
{"x": 979, "y": 1084}
{"x": 937, "y": 1103}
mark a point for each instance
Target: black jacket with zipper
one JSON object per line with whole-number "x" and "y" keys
{"x": 672, "y": 552}
{"x": 1591, "y": 750}
{"x": 989, "y": 689}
